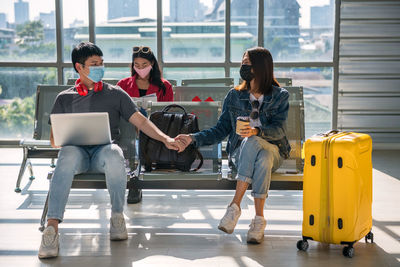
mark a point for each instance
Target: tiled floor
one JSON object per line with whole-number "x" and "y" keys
{"x": 179, "y": 228}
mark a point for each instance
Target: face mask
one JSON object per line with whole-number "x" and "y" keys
{"x": 143, "y": 72}
{"x": 96, "y": 73}
{"x": 245, "y": 73}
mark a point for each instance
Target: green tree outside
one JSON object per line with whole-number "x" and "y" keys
{"x": 16, "y": 118}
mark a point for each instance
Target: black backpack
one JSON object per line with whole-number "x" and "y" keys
{"x": 154, "y": 153}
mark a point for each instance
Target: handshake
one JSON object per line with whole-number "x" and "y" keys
{"x": 178, "y": 143}
{"x": 181, "y": 141}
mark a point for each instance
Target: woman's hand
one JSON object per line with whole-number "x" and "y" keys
{"x": 171, "y": 143}
{"x": 184, "y": 140}
{"x": 248, "y": 131}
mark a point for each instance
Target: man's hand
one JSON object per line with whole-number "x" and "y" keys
{"x": 170, "y": 143}
{"x": 248, "y": 131}
{"x": 184, "y": 140}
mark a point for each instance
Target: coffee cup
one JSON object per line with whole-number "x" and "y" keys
{"x": 242, "y": 122}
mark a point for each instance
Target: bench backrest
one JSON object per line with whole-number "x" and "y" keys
{"x": 207, "y": 114}
{"x": 45, "y": 97}
{"x": 218, "y": 93}
{"x": 173, "y": 82}
{"x": 208, "y": 82}
{"x": 295, "y": 133}
{"x": 282, "y": 81}
{"x": 71, "y": 81}
{"x": 294, "y": 124}
{"x": 188, "y": 93}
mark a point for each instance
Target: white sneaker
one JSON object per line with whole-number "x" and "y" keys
{"x": 117, "y": 227}
{"x": 255, "y": 235}
{"x": 50, "y": 243}
{"x": 229, "y": 221}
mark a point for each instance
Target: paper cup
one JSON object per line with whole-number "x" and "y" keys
{"x": 242, "y": 122}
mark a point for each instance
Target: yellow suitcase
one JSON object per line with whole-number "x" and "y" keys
{"x": 337, "y": 190}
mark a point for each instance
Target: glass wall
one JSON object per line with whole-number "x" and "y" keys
{"x": 75, "y": 25}
{"x": 244, "y": 27}
{"x": 120, "y": 25}
{"x": 317, "y": 88}
{"x": 194, "y": 31}
{"x": 27, "y": 30}
{"x": 179, "y": 74}
{"x": 17, "y": 98}
{"x": 193, "y": 40}
{"x": 299, "y": 30}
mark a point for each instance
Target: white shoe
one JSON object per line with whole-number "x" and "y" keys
{"x": 50, "y": 244}
{"x": 117, "y": 227}
{"x": 255, "y": 235}
{"x": 229, "y": 221}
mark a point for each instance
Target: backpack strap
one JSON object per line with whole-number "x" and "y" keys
{"x": 200, "y": 156}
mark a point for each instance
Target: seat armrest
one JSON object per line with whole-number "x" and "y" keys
{"x": 36, "y": 143}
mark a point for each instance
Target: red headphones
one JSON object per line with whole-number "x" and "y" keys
{"x": 82, "y": 89}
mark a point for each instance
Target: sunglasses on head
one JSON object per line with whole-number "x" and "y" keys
{"x": 142, "y": 49}
{"x": 254, "y": 105}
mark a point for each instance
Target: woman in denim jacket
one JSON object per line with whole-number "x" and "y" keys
{"x": 261, "y": 146}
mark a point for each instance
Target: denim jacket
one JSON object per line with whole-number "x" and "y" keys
{"x": 273, "y": 114}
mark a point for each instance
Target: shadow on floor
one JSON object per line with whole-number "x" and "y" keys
{"x": 387, "y": 161}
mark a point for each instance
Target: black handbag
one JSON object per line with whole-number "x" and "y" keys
{"x": 154, "y": 153}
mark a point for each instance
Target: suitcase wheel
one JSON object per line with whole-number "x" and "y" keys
{"x": 369, "y": 236}
{"x": 348, "y": 252}
{"x": 302, "y": 245}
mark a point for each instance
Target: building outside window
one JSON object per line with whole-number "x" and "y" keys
{"x": 193, "y": 33}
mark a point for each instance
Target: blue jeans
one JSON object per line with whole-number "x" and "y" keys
{"x": 255, "y": 160}
{"x": 72, "y": 160}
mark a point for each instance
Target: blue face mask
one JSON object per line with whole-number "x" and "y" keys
{"x": 96, "y": 73}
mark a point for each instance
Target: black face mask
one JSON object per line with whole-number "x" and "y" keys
{"x": 245, "y": 73}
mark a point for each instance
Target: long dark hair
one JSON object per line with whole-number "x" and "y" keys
{"x": 155, "y": 73}
{"x": 263, "y": 68}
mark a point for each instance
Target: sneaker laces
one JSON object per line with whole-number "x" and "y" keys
{"x": 49, "y": 236}
{"x": 230, "y": 214}
{"x": 256, "y": 225}
{"x": 117, "y": 221}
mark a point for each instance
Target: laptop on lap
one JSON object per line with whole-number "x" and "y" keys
{"x": 79, "y": 129}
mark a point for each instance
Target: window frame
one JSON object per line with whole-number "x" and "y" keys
{"x": 227, "y": 64}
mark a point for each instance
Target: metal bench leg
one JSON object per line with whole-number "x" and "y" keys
{"x": 46, "y": 205}
{"x": 52, "y": 164}
{"x": 22, "y": 170}
{"x": 44, "y": 213}
{"x": 299, "y": 164}
{"x": 30, "y": 169}
{"x": 216, "y": 165}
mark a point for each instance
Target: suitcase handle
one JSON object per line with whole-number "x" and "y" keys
{"x": 331, "y": 132}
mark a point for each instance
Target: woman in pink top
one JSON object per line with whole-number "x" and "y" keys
{"x": 146, "y": 76}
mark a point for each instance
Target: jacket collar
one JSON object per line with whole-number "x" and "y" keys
{"x": 245, "y": 95}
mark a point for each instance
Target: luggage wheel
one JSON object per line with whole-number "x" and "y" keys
{"x": 369, "y": 236}
{"x": 302, "y": 245}
{"x": 348, "y": 251}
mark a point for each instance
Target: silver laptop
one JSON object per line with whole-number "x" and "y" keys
{"x": 92, "y": 128}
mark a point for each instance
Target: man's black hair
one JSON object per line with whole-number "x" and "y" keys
{"x": 83, "y": 51}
